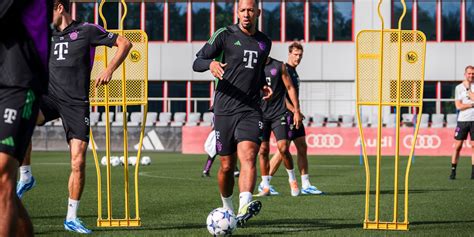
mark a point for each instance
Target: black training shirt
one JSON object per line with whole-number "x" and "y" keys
{"x": 71, "y": 60}
{"x": 276, "y": 106}
{"x": 245, "y": 56}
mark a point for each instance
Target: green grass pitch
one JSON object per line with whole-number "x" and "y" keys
{"x": 175, "y": 200}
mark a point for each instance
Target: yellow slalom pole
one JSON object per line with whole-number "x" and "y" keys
{"x": 397, "y": 135}
{"x": 107, "y": 126}
{"x": 99, "y": 181}
{"x": 124, "y": 119}
{"x": 379, "y": 122}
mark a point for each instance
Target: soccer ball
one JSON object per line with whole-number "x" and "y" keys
{"x": 115, "y": 161}
{"x": 145, "y": 160}
{"x": 221, "y": 221}
{"x": 103, "y": 161}
{"x": 132, "y": 160}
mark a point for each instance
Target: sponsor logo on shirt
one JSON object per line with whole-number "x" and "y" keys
{"x": 250, "y": 57}
{"x": 60, "y": 49}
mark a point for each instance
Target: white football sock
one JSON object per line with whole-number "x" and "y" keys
{"x": 72, "y": 209}
{"x": 305, "y": 181}
{"x": 244, "y": 199}
{"x": 25, "y": 173}
{"x": 291, "y": 175}
{"x": 266, "y": 181}
{"x": 227, "y": 202}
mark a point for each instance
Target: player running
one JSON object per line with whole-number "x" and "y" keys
{"x": 275, "y": 119}
{"x": 70, "y": 65}
{"x": 24, "y": 47}
{"x": 297, "y": 135}
{"x": 242, "y": 51}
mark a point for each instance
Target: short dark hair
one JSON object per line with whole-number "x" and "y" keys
{"x": 65, "y": 4}
{"x": 468, "y": 67}
{"x": 295, "y": 45}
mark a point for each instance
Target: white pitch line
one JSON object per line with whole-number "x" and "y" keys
{"x": 146, "y": 174}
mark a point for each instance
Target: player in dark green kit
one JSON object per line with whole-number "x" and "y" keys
{"x": 242, "y": 51}
{"x": 275, "y": 119}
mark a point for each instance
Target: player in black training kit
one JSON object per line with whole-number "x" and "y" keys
{"x": 297, "y": 135}
{"x": 275, "y": 119}
{"x": 242, "y": 51}
{"x": 24, "y": 48}
{"x": 70, "y": 64}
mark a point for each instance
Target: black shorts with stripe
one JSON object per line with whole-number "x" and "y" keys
{"x": 19, "y": 108}
{"x": 462, "y": 129}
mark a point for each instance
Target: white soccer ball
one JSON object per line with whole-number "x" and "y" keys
{"x": 132, "y": 160}
{"x": 122, "y": 160}
{"x": 103, "y": 161}
{"x": 115, "y": 161}
{"x": 145, "y": 160}
{"x": 221, "y": 221}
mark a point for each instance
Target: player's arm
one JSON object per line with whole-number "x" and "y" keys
{"x": 295, "y": 105}
{"x": 461, "y": 106}
{"x": 123, "y": 48}
{"x": 212, "y": 49}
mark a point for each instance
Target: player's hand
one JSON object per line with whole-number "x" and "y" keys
{"x": 267, "y": 93}
{"x": 103, "y": 78}
{"x": 297, "y": 119}
{"x": 217, "y": 69}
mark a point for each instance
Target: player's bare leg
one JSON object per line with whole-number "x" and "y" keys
{"x": 76, "y": 186}
{"x": 14, "y": 220}
{"x": 472, "y": 160}
{"x": 247, "y": 151}
{"x": 302, "y": 151}
{"x": 225, "y": 179}
{"x": 284, "y": 151}
{"x": 264, "y": 187}
{"x": 78, "y": 168}
{"x": 455, "y": 158}
{"x": 27, "y": 181}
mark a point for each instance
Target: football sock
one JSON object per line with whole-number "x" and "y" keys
{"x": 244, "y": 199}
{"x": 453, "y": 167}
{"x": 266, "y": 181}
{"x": 227, "y": 202}
{"x": 305, "y": 181}
{"x": 72, "y": 209}
{"x": 25, "y": 173}
{"x": 291, "y": 175}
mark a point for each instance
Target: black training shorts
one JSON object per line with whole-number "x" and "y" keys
{"x": 294, "y": 133}
{"x": 75, "y": 118}
{"x": 19, "y": 110}
{"x": 462, "y": 129}
{"x": 279, "y": 127}
{"x": 232, "y": 129}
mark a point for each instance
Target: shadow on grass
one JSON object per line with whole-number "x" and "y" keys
{"x": 441, "y": 222}
{"x": 385, "y": 192}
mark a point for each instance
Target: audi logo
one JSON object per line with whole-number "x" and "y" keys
{"x": 324, "y": 140}
{"x": 423, "y": 141}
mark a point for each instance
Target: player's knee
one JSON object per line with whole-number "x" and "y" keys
{"x": 283, "y": 147}
{"x": 226, "y": 167}
{"x": 78, "y": 163}
{"x": 264, "y": 150}
{"x": 302, "y": 147}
